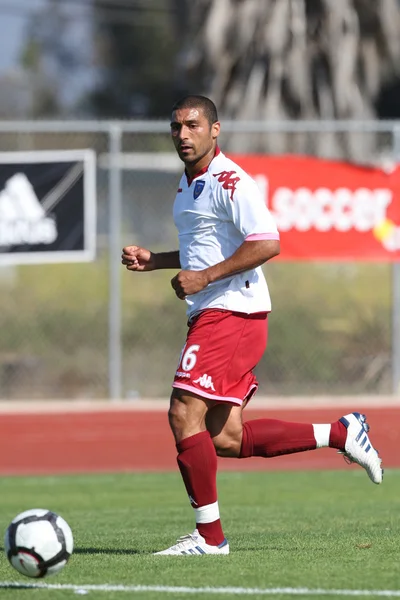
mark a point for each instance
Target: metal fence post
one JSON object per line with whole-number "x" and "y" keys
{"x": 115, "y": 204}
{"x": 396, "y": 292}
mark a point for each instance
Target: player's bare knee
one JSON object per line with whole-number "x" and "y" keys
{"x": 186, "y": 415}
{"x": 227, "y": 445}
{"x": 177, "y": 413}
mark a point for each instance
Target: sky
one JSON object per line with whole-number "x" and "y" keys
{"x": 14, "y": 19}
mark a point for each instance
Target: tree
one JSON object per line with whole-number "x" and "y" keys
{"x": 135, "y": 51}
{"x": 49, "y": 57}
{"x": 291, "y": 59}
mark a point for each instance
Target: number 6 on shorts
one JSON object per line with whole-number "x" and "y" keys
{"x": 189, "y": 357}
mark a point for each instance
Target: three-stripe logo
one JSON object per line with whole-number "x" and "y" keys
{"x": 23, "y": 219}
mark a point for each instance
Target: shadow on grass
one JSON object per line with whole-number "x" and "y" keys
{"x": 18, "y": 586}
{"x": 106, "y": 551}
{"x": 101, "y": 551}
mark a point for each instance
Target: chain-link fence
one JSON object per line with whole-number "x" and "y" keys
{"x": 94, "y": 330}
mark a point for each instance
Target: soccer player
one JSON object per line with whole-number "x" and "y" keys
{"x": 225, "y": 234}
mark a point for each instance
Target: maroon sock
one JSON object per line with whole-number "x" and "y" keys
{"x": 197, "y": 461}
{"x": 271, "y": 437}
{"x": 338, "y": 435}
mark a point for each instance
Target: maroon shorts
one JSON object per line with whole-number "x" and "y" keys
{"x": 222, "y": 348}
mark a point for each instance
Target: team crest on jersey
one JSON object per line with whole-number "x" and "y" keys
{"x": 198, "y": 188}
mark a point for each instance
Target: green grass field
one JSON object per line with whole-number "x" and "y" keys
{"x": 329, "y": 530}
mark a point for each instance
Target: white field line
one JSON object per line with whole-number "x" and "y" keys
{"x": 161, "y": 404}
{"x": 286, "y": 591}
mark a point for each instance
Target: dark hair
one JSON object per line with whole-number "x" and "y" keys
{"x": 207, "y": 105}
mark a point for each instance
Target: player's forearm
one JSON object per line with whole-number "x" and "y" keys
{"x": 248, "y": 256}
{"x": 167, "y": 260}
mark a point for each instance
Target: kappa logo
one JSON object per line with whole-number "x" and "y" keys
{"x": 206, "y": 382}
{"x": 182, "y": 374}
{"x": 23, "y": 219}
{"x": 228, "y": 181}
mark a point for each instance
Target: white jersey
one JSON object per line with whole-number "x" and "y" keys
{"x": 214, "y": 214}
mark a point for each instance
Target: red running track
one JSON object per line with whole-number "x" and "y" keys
{"x": 138, "y": 440}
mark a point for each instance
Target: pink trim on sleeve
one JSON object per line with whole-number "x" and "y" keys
{"x": 262, "y": 236}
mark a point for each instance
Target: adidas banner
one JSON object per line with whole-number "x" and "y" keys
{"x": 47, "y": 206}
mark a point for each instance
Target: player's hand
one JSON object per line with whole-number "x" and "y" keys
{"x": 189, "y": 282}
{"x": 138, "y": 259}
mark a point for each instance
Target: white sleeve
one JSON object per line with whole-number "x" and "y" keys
{"x": 245, "y": 207}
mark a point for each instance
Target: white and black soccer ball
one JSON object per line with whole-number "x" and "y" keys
{"x": 38, "y": 542}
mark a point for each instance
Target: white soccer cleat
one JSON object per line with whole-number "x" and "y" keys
{"x": 195, "y": 544}
{"x": 358, "y": 446}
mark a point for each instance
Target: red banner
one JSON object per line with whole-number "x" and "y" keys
{"x": 327, "y": 210}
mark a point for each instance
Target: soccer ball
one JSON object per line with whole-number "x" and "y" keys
{"x": 38, "y": 543}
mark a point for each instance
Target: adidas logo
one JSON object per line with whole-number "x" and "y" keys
{"x": 22, "y": 218}
{"x": 206, "y": 382}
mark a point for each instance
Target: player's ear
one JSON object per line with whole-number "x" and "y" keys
{"x": 215, "y": 129}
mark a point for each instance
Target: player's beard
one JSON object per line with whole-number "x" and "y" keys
{"x": 197, "y": 158}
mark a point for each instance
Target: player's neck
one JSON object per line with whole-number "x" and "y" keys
{"x": 198, "y": 168}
